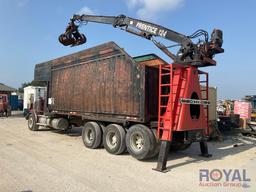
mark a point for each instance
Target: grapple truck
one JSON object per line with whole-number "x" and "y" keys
{"x": 141, "y": 104}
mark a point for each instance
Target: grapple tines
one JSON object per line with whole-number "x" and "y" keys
{"x": 72, "y": 37}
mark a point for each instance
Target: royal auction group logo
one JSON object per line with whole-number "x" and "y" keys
{"x": 232, "y": 178}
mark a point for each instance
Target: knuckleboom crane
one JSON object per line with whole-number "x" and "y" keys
{"x": 199, "y": 54}
{"x": 184, "y": 109}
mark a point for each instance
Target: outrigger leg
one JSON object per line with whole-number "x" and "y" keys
{"x": 204, "y": 149}
{"x": 162, "y": 158}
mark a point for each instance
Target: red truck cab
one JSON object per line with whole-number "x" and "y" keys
{"x": 4, "y": 104}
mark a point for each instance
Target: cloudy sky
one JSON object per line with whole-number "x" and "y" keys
{"x": 30, "y": 28}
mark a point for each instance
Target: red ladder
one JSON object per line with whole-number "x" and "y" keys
{"x": 165, "y": 77}
{"x": 169, "y": 106}
{"x": 204, "y": 86}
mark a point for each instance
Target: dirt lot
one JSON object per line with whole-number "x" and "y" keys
{"x": 50, "y": 161}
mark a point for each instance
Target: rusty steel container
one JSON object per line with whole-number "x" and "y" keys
{"x": 103, "y": 83}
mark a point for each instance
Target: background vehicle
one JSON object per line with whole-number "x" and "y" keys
{"x": 4, "y": 105}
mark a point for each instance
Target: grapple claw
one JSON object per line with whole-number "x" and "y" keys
{"x": 66, "y": 41}
{"x": 72, "y": 40}
{"x": 72, "y": 37}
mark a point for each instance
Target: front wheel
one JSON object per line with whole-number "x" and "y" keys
{"x": 32, "y": 123}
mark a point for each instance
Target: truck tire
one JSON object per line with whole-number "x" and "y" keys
{"x": 114, "y": 139}
{"x": 179, "y": 146}
{"x": 102, "y": 127}
{"x": 91, "y": 135}
{"x": 157, "y": 144}
{"x": 32, "y": 122}
{"x": 141, "y": 142}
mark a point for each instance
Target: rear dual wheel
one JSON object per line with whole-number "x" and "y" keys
{"x": 92, "y": 135}
{"x": 179, "y": 146}
{"x": 141, "y": 142}
{"x": 114, "y": 139}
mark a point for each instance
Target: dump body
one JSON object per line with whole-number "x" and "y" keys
{"x": 103, "y": 83}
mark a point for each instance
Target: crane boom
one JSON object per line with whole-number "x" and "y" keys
{"x": 149, "y": 28}
{"x": 197, "y": 54}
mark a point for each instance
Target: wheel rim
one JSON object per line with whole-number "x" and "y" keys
{"x": 30, "y": 122}
{"x": 137, "y": 141}
{"x": 111, "y": 139}
{"x": 89, "y": 136}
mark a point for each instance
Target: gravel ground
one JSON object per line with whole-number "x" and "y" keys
{"x": 52, "y": 161}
